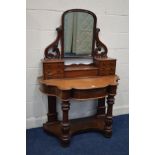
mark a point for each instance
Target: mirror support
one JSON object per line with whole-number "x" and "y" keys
{"x": 101, "y": 49}
{"x": 55, "y": 53}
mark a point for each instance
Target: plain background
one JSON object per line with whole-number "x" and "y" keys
{"x": 43, "y": 17}
{"x": 13, "y": 77}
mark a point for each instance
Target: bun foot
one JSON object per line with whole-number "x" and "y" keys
{"x": 107, "y": 134}
{"x": 65, "y": 143}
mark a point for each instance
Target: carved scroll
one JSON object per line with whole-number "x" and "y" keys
{"x": 101, "y": 49}
{"x": 52, "y": 51}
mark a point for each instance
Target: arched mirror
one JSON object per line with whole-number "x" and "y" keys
{"x": 78, "y": 33}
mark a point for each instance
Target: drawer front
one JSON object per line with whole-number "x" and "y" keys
{"x": 53, "y": 70}
{"x": 107, "y": 67}
{"x": 53, "y": 65}
{"x": 107, "y": 63}
{"x": 53, "y": 75}
{"x": 107, "y": 71}
{"x": 80, "y": 73}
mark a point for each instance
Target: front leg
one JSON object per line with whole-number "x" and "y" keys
{"x": 101, "y": 108}
{"x": 108, "y": 127}
{"x": 52, "y": 113}
{"x": 65, "y": 126}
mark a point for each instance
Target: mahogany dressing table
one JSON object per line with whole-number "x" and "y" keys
{"x": 78, "y": 38}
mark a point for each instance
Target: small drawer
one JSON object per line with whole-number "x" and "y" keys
{"x": 52, "y": 75}
{"x": 60, "y": 71}
{"x": 53, "y": 66}
{"x": 107, "y": 71}
{"x": 53, "y": 70}
{"x": 108, "y": 64}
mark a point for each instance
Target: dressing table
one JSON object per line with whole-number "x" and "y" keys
{"x": 79, "y": 41}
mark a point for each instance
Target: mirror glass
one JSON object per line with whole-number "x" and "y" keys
{"x": 78, "y": 34}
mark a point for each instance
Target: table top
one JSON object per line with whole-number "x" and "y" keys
{"x": 81, "y": 83}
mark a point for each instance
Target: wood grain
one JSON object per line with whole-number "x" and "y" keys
{"x": 81, "y": 83}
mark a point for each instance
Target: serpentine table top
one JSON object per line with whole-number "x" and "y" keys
{"x": 81, "y": 83}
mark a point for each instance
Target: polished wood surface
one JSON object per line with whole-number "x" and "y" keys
{"x": 77, "y": 126}
{"x": 82, "y": 83}
{"x": 80, "y": 67}
{"x": 80, "y": 70}
{"x": 106, "y": 66}
{"x": 56, "y": 68}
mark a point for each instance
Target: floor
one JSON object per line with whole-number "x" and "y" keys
{"x": 91, "y": 143}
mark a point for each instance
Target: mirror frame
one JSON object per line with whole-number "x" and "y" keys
{"x": 99, "y": 49}
{"x": 93, "y": 38}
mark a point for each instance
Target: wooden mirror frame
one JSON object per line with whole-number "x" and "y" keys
{"x": 94, "y": 28}
{"x": 97, "y": 45}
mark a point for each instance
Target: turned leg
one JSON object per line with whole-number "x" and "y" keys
{"x": 101, "y": 108}
{"x": 65, "y": 126}
{"x": 52, "y": 114}
{"x": 108, "y": 127}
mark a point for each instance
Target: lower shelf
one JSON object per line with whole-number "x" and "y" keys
{"x": 77, "y": 125}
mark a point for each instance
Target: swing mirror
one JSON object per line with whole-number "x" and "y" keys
{"x": 78, "y": 33}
